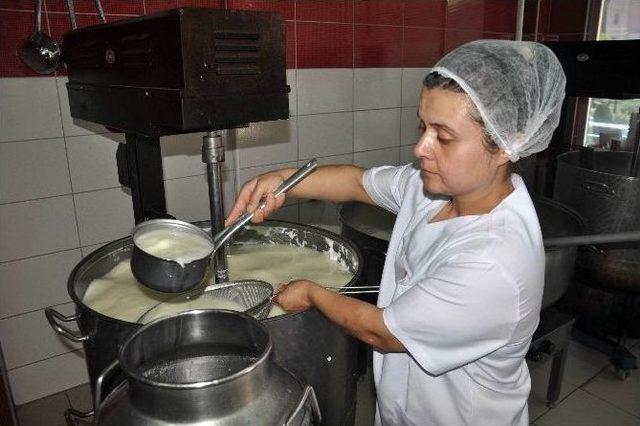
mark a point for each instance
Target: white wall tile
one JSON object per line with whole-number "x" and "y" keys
{"x": 324, "y": 90}
{"x": 29, "y": 338}
{"x": 320, "y": 213}
{"x": 87, "y": 250}
{"x": 74, "y": 126}
{"x": 182, "y": 155}
{"x": 35, "y": 283}
{"x": 334, "y": 159}
{"x": 33, "y": 169}
{"x": 104, "y": 215}
{"x": 245, "y": 175}
{"x": 47, "y": 377}
{"x": 268, "y": 142}
{"x": 292, "y": 81}
{"x": 406, "y": 154}
{"x": 29, "y": 109}
{"x": 322, "y": 135}
{"x": 92, "y": 161}
{"x": 377, "y": 88}
{"x": 409, "y": 128}
{"x": 412, "y": 84}
{"x": 188, "y": 198}
{"x": 37, "y": 227}
{"x": 376, "y": 129}
{"x": 380, "y": 157}
{"x": 287, "y": 213}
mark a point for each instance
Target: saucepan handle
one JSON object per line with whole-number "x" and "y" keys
{"x": 308, "y": 394}
{"x": 106, "y": 373}
{"x": 54, "y": 316}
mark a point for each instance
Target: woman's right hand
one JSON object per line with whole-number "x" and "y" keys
{"x": 258, "y": 189}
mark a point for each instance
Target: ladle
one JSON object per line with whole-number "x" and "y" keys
{"x": 40, "y": 52}
{"x": 167, "y": 275}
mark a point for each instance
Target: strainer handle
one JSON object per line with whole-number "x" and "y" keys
{"x": 315, "y": 408}
{"x": 53, "y": 316}
{"x": 107, "y": 372}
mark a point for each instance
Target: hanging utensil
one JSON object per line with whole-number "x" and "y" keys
{"x": 40, "y": 52}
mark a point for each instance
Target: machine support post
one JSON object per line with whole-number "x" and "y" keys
{"x": 139, "y": 163}
{"x": 213, "y": 157}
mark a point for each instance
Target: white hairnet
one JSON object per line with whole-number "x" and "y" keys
{"x": 517, "y": 86}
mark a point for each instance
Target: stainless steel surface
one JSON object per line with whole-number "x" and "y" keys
{"x": 252, "y": 295}
{"x": 609, "y": 201}
{"x": 304, "y": 171}
{"x": 54, "y": 316}
{"x": 167, "y": 275}
{"x": 307, "y": 344}
{"x": 580, "y": 240}
{"x": 40, "y": 52}
{"x": 213, "y": 156}
{"x": 206, "y": 368}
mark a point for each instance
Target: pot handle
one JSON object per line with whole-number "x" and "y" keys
{"x": 53, "y": 316}
{"x": 315, "y": 408}
{"x": 598, "y": 188}
{"x": 71, "y": 413}
{"x": 107, "y": 372}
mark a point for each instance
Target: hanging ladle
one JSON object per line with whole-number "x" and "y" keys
{"x": 170, "y": 276}
{"x": 40, "y": 52}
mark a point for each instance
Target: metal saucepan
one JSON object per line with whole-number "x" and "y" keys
{"x": 169, "y": 276}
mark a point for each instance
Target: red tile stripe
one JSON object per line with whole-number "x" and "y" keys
{"x": 328, "y": 33}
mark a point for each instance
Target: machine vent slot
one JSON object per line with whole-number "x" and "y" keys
{"x": 237, "y": 53}
{"x": 135, "y": 51}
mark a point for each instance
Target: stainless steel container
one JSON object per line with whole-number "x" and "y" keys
{"x": 370, "y": 227}
{"x": 307, "y": 344}
{"x": 609, "y": 201}
{"x": 205, "y": 368}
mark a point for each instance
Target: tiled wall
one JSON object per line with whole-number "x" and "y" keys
{"x": 355, "y": 69}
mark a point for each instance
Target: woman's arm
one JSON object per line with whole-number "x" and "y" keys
{"x": 329, "y": 183}
{"x": 360, "y": 319}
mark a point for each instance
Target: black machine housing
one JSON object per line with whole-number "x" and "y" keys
{"x": 177, "y": 71}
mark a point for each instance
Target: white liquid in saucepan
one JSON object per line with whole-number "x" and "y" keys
{"x": 119, "y": 295}
{"x": 182, "y": 247}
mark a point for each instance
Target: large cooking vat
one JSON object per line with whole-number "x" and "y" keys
{"x": 609, "y": 201}
{"x": 307, "y": 344}
{"x": 370, "y": 228}
{"x": 206, "y": 368}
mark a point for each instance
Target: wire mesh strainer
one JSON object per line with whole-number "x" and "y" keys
{"x": 253, "y": 297}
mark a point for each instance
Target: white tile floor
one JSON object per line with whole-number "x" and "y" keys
{"x": 592, "y": 395}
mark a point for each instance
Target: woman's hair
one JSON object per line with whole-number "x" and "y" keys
{"x": 434, "y": 80}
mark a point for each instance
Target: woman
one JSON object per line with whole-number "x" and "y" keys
{"x": 462, "y": 283}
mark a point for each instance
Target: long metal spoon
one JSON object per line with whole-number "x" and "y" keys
{"x": 223, "y": 236}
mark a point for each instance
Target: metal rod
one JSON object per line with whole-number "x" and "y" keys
{"x": 580, "y": 240}
{"x": 520, "y": 20}
{"x": 100, "y": 11}
{"x": 72, "y": 14}
{"x": 213, "y": 156}
{"x": 38, "y": 15}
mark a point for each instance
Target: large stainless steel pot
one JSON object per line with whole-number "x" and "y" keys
{"x": 370, "y": 227}
{"x": 609, "y": 201}
{"x": 205, "y": 368}
{"x": 307, "y": 344}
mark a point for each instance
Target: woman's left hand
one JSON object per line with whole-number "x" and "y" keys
{"x": 295, "y": 296}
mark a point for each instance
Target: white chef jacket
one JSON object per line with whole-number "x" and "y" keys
{"x": 463, "y": 296}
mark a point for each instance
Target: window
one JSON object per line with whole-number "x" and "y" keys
{"x": 609, "y": 118}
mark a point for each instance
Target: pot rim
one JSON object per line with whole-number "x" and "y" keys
{"x": 563, "y": 158}
{"x": 170, "y": 224}
{"x": 108, "y": 247}
{"x": 197, "y": 385}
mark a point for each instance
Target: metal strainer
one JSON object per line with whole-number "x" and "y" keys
{"x": 253, "y": 297}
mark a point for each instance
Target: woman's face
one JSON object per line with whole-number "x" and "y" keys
{"x": 453, "y": 159}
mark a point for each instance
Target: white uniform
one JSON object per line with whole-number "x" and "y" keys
{"x": 463, "y": 296}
